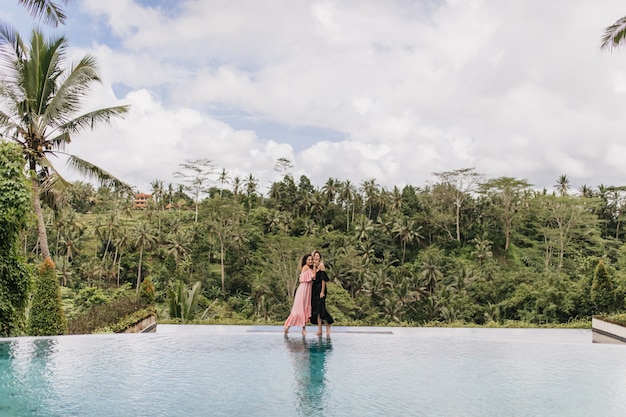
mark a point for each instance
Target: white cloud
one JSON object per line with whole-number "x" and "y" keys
{"x": 516, "y": 88}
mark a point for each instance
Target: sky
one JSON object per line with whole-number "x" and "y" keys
{"x": 393, "y": 90}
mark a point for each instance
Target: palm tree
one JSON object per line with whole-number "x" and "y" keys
{"x": 111, "y": 223}
{"x": 363, "y": 228}
{"x": 144, "y": 239}
{"x": 39, "y": 101}
{"x": 482, "y": 250}
{"x": 370, "y": 193}
{"x": 158, "y": 191}
{"x": 396, "y": 199}
{"x": 585, "y": 191}
{"x": 330, "y": 190}
{"x": 223, "y": 179}
{"x": 406, "y": 231}
{"x": 237, "y": 184}
{"x": 177, "y": 244}
{"x": 347, "y": 194}
{"x": 70, "y": 242}
{"x": 562, "y": 185}
{"x": 251, "y": 185}
{"x": 120, "y": 242}
{"x": 47, "y": 10}
{"x": 430, "y": 273}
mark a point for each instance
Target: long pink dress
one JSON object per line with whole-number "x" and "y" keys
{"x": 301, "y": 309}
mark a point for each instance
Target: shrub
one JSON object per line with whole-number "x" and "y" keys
{"x": 147, "y": 291}
{"x": 106, "y": 315}
{"x": 603, "y": 289}
{"x": 46, "y": 315}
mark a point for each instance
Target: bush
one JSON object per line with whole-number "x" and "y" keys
{"x": 89, "y": 297}
{"x": 106, "y": 315}
{"x": 603, "y": 289}
{"x": 46, "y": 315}
{"x": 147, "y": 291}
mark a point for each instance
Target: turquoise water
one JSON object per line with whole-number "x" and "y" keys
{"x": 256, "y": 371}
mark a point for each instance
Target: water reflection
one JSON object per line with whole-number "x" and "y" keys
{"x": 26, "y": 367}
{"x": 309, "y": 359}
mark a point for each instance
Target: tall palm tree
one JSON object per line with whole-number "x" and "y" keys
{"x": 223, "y": 179}
{"x": 39, "y": 100}
{"x": 48, "y": 11}
{"x": 122, "y": 237}
{"x": 237, "y": 184}
{"x": 144, "y": 239}
{"x": 251, "y": 184}
{"x": 370, "y": 193}
{"x": 407, "y": 231}
{"x": 347, "y": 194}
{"x": 330, "y": 190}
{"x": 158, "y": 192}
{"x": 562, "y": 185}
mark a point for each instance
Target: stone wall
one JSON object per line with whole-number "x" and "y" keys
{"x": 147, "y": 325}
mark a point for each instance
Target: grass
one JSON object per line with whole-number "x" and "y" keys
{"x": 615, "y": 318}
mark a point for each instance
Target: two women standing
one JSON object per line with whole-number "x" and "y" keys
{"x": 310, "y": 300}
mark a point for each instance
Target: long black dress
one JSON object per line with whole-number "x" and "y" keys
{"x": 318, "y": 305}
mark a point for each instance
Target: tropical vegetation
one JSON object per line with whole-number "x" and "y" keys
{"x": 465, "y": 249}
{"x": 462, "y": 250}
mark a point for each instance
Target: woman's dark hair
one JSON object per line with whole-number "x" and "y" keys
{"x": 304, "y": 258}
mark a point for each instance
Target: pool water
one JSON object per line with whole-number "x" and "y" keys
{"x": 257, "y": 371}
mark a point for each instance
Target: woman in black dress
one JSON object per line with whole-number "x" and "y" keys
{"x": 319, "y": 314}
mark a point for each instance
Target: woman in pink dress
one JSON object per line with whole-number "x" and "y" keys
{"x": 301, "y": 309}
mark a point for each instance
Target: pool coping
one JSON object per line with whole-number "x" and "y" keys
{"x": 607, "y": 332}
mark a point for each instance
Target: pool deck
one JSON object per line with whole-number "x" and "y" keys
{"x": 334, "y": 331}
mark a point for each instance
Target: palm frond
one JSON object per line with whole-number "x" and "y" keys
{"x": 614, "y": 35}
{"x": 41, "y": 72}
{"x": 59, "y": 141}
{"x": 11, "y": 49}
{"x": 67, "y": 98}
{"x": 48, "y": 11}
{"x": 7, "y": 125}
{"x": 93, "y": 172}
{"x": 54, "y": 187}
{"x": 91, "y": 119}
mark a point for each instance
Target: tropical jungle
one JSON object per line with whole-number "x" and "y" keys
{"x": 205, "y": 247}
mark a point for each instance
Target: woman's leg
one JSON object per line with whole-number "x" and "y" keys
{"x": 319, "y": 326}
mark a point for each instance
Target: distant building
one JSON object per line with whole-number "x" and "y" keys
{"x": 141, "y": 200}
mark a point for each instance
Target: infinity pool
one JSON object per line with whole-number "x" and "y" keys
{"x": 257, "y": 371}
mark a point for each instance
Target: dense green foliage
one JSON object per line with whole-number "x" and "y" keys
{"x": 603, "y": 290}
{"x": 462, "y": 250}
{"x": 183, "y": 301}
{"x": 98, "y": 310}
{"x": 47, "y": 318}
{"x": 14, "y": 210}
